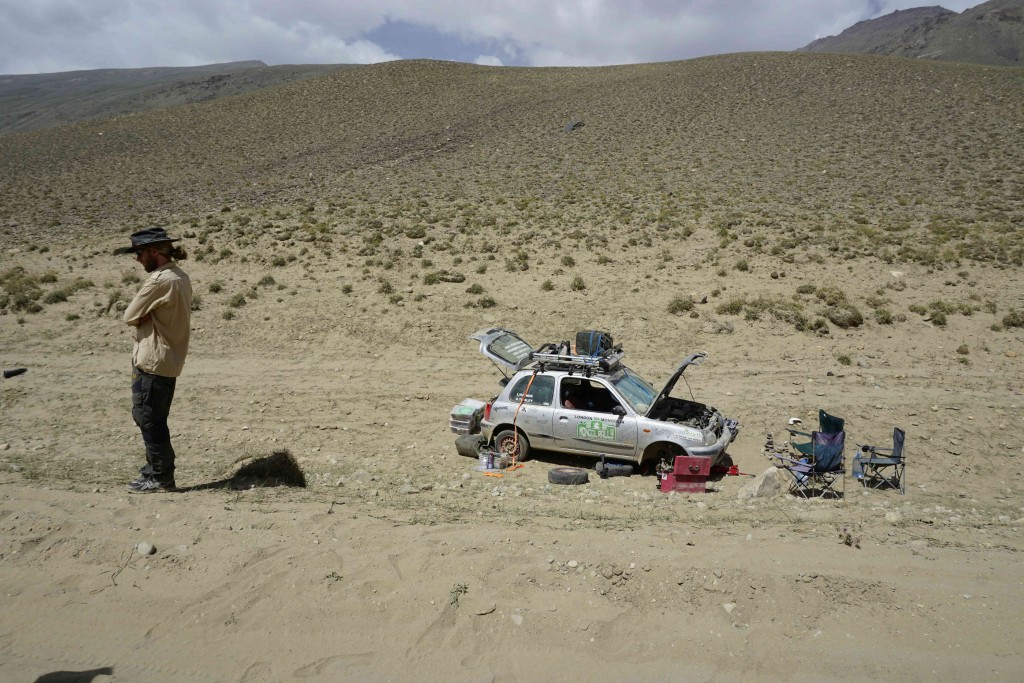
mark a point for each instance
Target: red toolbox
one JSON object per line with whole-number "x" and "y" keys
{"x": 688, "y": 475}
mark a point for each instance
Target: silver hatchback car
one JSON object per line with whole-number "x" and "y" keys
{"x": 593, "y": 405}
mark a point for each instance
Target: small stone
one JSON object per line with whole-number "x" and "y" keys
{"x": 1010, "y": 354}
{"x": 729, "y": 607}
{"x": 5, "y": 446}
{"x": 894, "y": 516}
{"x": 572, "y": 564}
{"x": 517, "y": 619}
{"x": 16, "y": 468}
{"x": 485, "y": 609}
{"x": 145, "y": 548}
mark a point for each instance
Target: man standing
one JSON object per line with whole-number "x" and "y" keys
{"x": 160, "y": 314}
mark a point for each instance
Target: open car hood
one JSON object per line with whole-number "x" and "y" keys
{"x": 692, "y": 359}
{"x": 504, "y": 347}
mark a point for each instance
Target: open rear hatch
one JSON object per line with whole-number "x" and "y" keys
{"x": 504, "y": 347}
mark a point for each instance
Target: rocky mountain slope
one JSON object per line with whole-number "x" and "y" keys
{"x": 34, "y": 101}
{"x": 990, "y": 33}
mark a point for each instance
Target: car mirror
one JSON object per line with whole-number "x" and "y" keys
{"x": 618, "y": 410}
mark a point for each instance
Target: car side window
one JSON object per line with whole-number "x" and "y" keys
{"x": 584, "y": 394}
{"x": 541, "y": 392}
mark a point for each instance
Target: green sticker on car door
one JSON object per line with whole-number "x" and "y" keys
{"x": 595, "y": 429}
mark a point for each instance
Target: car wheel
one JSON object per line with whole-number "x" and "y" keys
{"x": 505, "y": 442}
{"x": 658, "y": 453}
{"x": 573, "y": 476}
{"x": 613, "y": 469}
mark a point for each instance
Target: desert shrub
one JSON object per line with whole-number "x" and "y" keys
{"x": 266, "y": 281}
{"x": 216, "y": 286}
{"x": 21, "y": 291}
{"x": 742, "y": 265}
{"x": 963, "y": 350}
{"x": 806, "y": 289}
{"x": 278, "y": 261}
{"x": 831, "y": 295}
{"x": 731, "y": 307}
{"x": 1014, "y": 319}
{"x": 844, "y": 359}
{"x": 938, "y": 318}
{"x": 680, "y": 304}
{"x": 475, "y": 288}
{"x": 197, "y": 301}
{"x": 568, "y": 261}
{"x": 237, "y": 301}
{"x": 416, "y": 232}
{"x": 346, "y": 289}
{"x": 547, "y": 286}
{"x": 577, "y": 284}
{"x": 520, "y": 261}
{"x": 431, "y": 278}
{"x": 228, "y": 315}
{"x": 385, "y": 287}
{"x": 883, "y": 316}
{"x": 845, "y": 317}
{"x": 395, "y": 298}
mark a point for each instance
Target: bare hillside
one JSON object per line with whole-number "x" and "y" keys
{"x": 857, "y": 143}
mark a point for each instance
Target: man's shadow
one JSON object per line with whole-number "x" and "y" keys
{"x": 277, "y": 469}
{"x": 75, "y": 676}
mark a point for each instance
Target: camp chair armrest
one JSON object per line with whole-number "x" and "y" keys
{"x": 794, "y": 432}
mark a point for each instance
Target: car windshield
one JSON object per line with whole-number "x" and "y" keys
{"x": 635, "y": 389}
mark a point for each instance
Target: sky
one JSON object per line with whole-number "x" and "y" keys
{"x": 43, "y": 36}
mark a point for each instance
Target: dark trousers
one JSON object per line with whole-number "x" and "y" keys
{"x": 151, "y": 403}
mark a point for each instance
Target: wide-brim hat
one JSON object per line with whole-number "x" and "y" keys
{"x": 146, "y": 238}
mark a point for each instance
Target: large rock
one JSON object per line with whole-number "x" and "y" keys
{"x": 773, "y": 482}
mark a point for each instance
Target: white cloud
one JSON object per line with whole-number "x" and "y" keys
{"x": 45, "y": 35}
{"x": 488, "y": 60}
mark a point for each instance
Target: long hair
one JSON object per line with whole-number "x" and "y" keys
{"x": 171, "y": 251}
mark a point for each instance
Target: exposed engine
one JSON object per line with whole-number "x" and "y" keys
{"x": 681, "y": 411}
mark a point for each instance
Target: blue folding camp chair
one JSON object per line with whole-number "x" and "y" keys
{"x": 817, "y": 473}
{"x": 881, "y": 468}
{"x": 827, "y": 424}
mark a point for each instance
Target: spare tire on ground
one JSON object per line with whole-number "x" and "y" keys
{"x": 573, "y": 476}
{"x": 469, "y": 445}
{"x": 613, "y": 469}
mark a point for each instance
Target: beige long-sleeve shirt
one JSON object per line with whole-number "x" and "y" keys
{"x": 161, "y": 339}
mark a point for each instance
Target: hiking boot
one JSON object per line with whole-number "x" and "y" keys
{"x": 151, "y": 485}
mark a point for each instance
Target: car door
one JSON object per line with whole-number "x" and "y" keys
{"x": 590, "y": 426}
{"x": 531, "y": 398}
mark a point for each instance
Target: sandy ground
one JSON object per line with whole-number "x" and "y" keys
{"x": 400, "y": 562}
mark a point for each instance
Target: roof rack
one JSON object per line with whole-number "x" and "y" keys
{"x": 549, "y": 356}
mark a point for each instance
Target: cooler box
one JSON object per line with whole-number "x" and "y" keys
{"x": 465, "y": 417}
{"x": 688, "y": 475}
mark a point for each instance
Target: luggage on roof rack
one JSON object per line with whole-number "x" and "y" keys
{"x": 555, "y": 356}
{"x": 593, "y": 343}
